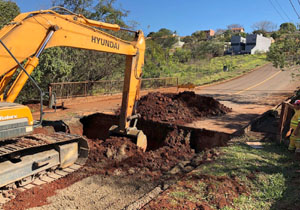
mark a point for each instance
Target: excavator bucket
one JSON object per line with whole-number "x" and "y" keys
{"x": 137, "y": 136}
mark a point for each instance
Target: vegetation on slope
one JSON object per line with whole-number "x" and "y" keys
{"x": 241, "y": 178}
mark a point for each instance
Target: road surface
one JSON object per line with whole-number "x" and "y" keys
{"x": 248, "y": 96}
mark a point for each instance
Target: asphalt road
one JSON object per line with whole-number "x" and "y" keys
{"x": 266, "y": 82}
{"x": 249, "y": 96}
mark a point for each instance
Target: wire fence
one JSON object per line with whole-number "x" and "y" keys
{"x": 65, "y": 90}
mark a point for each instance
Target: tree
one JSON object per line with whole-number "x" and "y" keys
{"x": 220, "y": 31}
{"x": 188, "y": 39}
{"x": 287, "y": 28}
{"x": 264, "y": 33}
{"x": 106, "y": 11}
{"x": 285, "y": 51}
{"x": 275, "y": 35}
{"x": 182, "y": 55}
{"x": 91, "y": 65}
{"x": 62, "y": 64}
{"x": 155, "y": 58}
{"x": 77, "y": 6}
{"x": 227, "y": 35}
{"x": 9, "y": 10}
{"x": 199, "y": 36}
{"x": 207, "y": 49}
{"x": 163, "y": 37}
{"x": 264, "y": 26}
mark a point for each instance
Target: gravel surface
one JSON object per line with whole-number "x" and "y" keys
{"x": 99, "y": 192}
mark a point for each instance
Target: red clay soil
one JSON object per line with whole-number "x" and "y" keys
{"x": 176, "y": 148}
{"x": 120, "y": 156}
{"x": 113, "y": 149}
{"x": 179, "y": 108}
{"x": 219, "y": 191}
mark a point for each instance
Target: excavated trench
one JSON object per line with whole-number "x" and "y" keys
{"x": 96, "y": 126}
{"x": 162, "y": 120}
{"x": 168, "y": 146}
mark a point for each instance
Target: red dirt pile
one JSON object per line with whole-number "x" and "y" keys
{"x": 179, "y": 108}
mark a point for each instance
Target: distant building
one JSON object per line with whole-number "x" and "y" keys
{"x": 209, "y": 33}
{"x": 238, "y": 44}
{"x": 252, "y": 44}
{"x": 238, "y": 30}
{"x": 178, "y": 43}
{"x": 257, "y": 43}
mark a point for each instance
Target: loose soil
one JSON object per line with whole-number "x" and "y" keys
{"x": 179, "y": 108}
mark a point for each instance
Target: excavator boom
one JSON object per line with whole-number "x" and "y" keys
{"x": 22, "y": 42}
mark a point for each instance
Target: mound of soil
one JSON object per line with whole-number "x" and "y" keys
{"x": 179, "y": 108}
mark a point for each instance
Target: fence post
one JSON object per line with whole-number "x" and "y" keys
{"x": 50, "y": 102}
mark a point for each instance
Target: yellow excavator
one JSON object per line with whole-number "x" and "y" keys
{"x": 24, "y": 155}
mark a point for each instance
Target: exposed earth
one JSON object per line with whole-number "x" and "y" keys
{"x": 181, "y": 108}
{"x": 171, "y": 153}
{"x": 118, "y": 175}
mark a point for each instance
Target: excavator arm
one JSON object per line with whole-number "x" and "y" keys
{"x": 30, "y": 33}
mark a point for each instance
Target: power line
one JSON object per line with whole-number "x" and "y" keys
{"x": 276, "y": 10}
{"x": 284, "y": 11}
{"x": 294, "y": 9}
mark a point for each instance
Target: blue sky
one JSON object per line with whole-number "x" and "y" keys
{"x": 188, "y": 16}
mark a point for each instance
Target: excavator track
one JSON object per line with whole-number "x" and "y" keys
{"x": 37, "y": 159}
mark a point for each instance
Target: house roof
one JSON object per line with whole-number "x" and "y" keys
{"x": 235, "y": 29}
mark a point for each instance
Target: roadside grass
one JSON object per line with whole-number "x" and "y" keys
{"x": 270, "y": 175}
{"x": 208, "y": 71}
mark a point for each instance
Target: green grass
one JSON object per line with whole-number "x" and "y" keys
{"x": 208, "y": 71}
{"x": 275, "y": 173}
{"x": 247, "y": 178}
